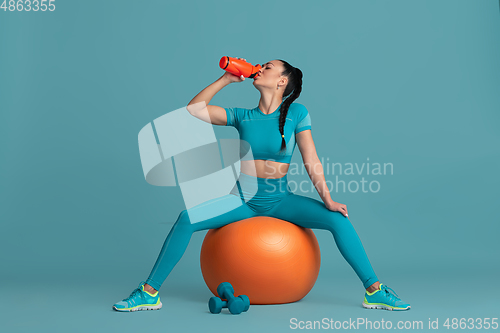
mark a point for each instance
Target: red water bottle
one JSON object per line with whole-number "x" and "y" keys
{"x": 239, "y": 67}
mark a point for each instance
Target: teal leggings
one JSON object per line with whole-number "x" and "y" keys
{"x": 253, "y": 196}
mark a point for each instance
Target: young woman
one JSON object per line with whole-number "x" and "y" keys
{"x": 272, "y": 129}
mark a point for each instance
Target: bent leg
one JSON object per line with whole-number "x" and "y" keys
{"x": 217, "y": 212}
{"x": 311, "y": 213}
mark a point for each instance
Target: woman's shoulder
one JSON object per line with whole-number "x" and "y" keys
{"x": 239, "y": 110}
{"x": 298, "y": 109}
{"x": 298, "y": 106}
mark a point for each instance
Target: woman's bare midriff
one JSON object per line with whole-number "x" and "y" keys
{"x": 264, "y": 168}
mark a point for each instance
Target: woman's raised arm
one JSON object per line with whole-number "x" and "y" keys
{"x": 212, "y": 114}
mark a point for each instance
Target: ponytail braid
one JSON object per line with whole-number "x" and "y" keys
{"x": 293, "y": 86}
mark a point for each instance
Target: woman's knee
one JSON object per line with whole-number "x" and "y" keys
{"x": 186, "y": 223}
{"x": 337, "y": 221}
{"x": 183, "y": 220}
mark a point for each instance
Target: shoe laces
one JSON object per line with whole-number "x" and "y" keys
{"x": 134, "y": 294}
{"x": 389, "y": 295}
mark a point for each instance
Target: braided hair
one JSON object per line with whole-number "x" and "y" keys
{"x": 292, "y": 90}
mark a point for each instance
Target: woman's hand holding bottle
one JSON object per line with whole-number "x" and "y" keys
{"x": 233, "y": 78}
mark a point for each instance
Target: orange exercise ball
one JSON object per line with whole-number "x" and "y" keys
{"x": 272, "y": 261}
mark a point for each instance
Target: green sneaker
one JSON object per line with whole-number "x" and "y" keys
{"x": 383, "y": 299}
{"x": 138, "y": 300}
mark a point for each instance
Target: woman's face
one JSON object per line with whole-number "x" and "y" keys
{"x": 270, "y": 76}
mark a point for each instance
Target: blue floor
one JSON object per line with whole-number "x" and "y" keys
{"x": 80, "y": 300}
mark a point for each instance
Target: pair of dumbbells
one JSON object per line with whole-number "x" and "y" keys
{"x": 236, "y": 305}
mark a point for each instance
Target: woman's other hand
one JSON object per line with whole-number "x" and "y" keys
{"x": 337, "y": 207}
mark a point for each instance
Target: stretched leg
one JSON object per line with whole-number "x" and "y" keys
{"x": 212, "y": 214}
{"x": 311, "y": 213}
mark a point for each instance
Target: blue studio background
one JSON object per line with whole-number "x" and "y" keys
{"x": 412, "y": 83}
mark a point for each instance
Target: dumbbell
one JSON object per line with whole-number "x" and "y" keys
{"x": 236, "y": 305}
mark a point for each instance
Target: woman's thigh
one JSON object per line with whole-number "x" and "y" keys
{"x": 216, "y": 212}
{"x": 308, "y": 213}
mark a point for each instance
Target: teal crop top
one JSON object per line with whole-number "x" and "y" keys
{"x": 261, "y": 131}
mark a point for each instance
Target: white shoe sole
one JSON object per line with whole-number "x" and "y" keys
{"x": 140, "y": 308}
{"x": 383, "y": 307}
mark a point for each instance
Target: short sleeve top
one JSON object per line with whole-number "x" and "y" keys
{"x": 261, "y": 130}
